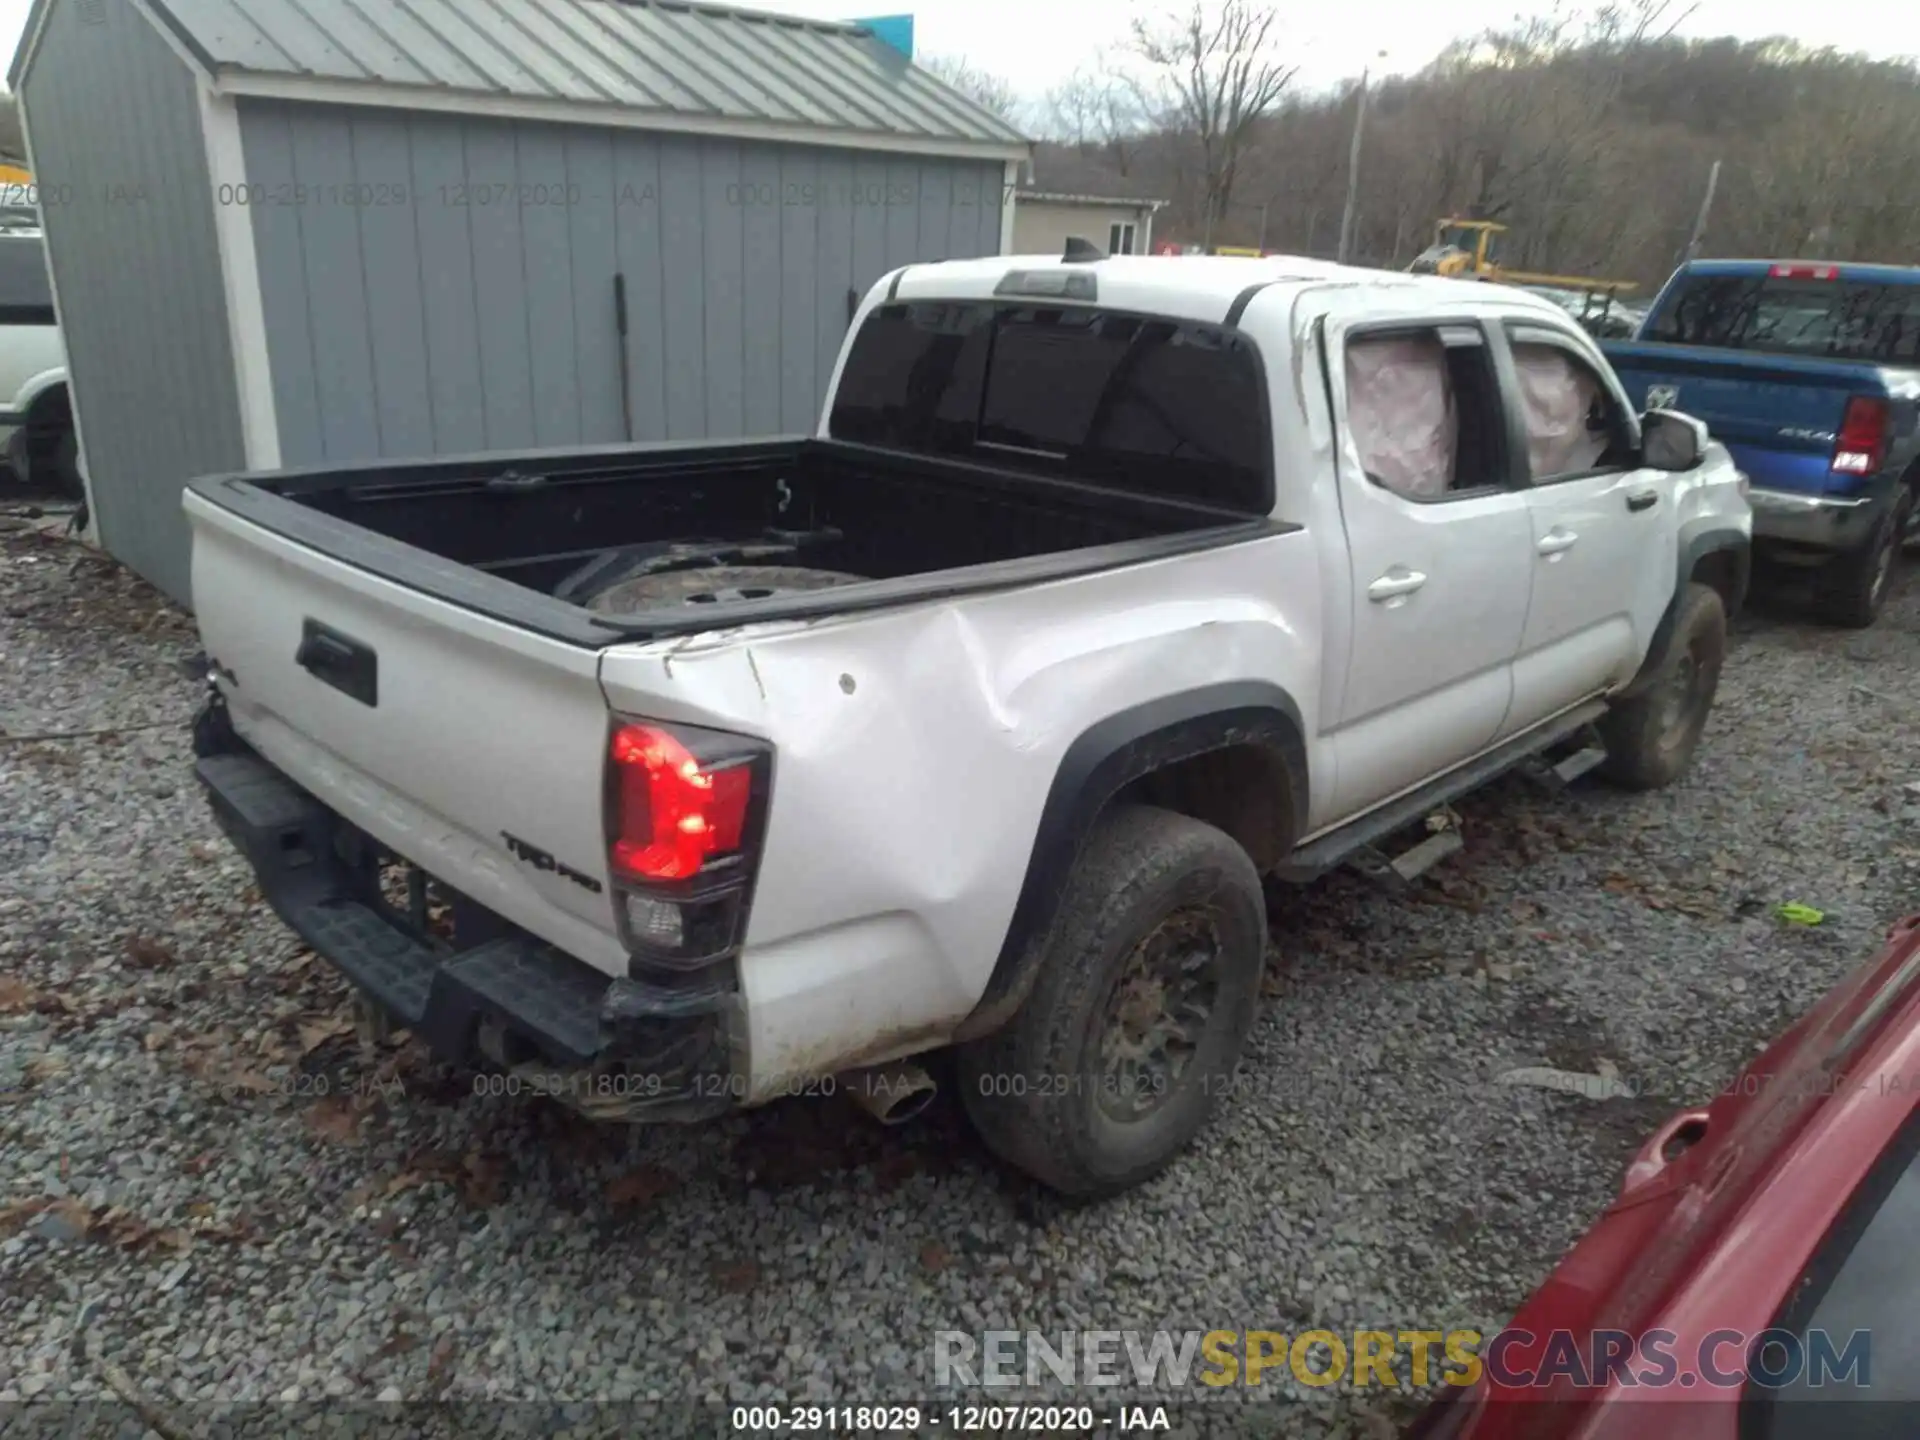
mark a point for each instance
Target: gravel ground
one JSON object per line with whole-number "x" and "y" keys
{"x": 182, "y": 1212}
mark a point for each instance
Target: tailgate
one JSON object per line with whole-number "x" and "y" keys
{"x": 1778, "y": 415}
{"x": 441, "y": 732}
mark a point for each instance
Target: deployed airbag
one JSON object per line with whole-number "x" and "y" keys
{"x": 1400, "y": 409}
{"x": 1564, "y": 409}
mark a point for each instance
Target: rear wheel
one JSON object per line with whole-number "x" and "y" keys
{"x": 1853, "y": 587}
{"x": 63, "y": 464}
{"x": 1651, "y": 738}
{"x": 44, "y": 453}
{"x": 1144, "y": 1000}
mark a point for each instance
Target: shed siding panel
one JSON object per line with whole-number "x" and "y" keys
{"x": 401, "y": 368}
{"x": 837, "y": 271}
{"x": 115, "y": 123}
{"x": 900, "y": 205}
{"x": 499, "y": 283}
{"x": 723, "y": 236}
{"x": 448, "y": 299}
{"x": 800, "y": 379}
{"x": 761, "y": 202}
{"x": 933, "y": 198}
{"x": 683, "y": 263}
{"x": 868, "y": 217}
{"x": 593, "y": 257}
{"x": 479, "y": 313}
{"x": 546, "y": 221}
{"x": 267, "y": 147}
{"x": 639, "y": 232}
{"x": 336, "y": 288}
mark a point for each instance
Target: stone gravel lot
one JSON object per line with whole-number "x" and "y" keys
{"x": 184, "y": 1213}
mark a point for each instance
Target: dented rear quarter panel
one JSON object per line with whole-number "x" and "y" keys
{"x": 914, "y": 750}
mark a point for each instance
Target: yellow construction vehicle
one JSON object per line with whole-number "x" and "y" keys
{"x": 1464, "y": 249}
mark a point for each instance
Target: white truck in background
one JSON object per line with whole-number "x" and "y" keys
{"x": 37, "y": 433}
{"x": 693, "y": 775}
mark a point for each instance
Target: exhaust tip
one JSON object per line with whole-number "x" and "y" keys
{"x": 892, "y": 1094}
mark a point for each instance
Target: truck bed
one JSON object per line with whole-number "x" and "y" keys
{"x": 522, "y": 537}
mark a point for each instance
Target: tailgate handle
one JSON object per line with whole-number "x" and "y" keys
{"x": 340, "y": 661}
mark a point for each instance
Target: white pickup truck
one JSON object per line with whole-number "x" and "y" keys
{"x": 693, "y": 775}
{"x": 37, "y": 435}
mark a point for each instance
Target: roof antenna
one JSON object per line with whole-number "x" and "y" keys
{"x": 1079, "y": 251}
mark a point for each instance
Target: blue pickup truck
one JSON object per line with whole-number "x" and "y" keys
{"x": 1809, "y": 372}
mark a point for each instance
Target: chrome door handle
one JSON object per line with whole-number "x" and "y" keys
{"x": 1556, "y": 541}
{"x": 1643, "y": 500}
{"x": 1395, "y": 583}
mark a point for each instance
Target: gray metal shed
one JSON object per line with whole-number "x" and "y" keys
{"x": 288, "y": 232}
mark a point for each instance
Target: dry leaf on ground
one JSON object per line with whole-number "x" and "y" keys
{"x": 642, "y": 1186}
{"x": 334, "y": 1119}
{"x": 736, "y": 1277}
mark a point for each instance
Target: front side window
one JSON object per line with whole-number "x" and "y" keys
{"x": 1574, "y": 424}
{"x": 1138, "y": 402}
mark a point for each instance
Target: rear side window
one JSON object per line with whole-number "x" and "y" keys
{"x": 1423, "y": 409}
{"x": 1158, "y": 406}
{"x": 1839, "y": 319}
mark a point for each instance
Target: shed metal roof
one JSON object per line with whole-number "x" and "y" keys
{"x": 1112, "y": 202}
{"x": 669, "y": 57}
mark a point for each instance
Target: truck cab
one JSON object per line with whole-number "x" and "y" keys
{"x": 1809, "y": 372}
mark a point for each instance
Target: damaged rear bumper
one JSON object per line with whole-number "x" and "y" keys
{"x": 477, "y": 990}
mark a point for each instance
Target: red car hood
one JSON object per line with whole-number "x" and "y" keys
{"x": 1683, "y": 1190}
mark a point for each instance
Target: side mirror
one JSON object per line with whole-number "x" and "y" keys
{"x": 1672, "y": 441}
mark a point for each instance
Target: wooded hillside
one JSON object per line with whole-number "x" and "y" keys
{"x": 1592, "y": 137}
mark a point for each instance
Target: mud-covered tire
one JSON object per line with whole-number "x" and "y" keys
{"x": 1852, "y": 588}
{"x": 1039, "y": 1090}
{"x": 1651, "y": 738}
{"x": 62, "y": 466}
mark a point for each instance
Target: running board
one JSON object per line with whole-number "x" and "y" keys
{"x": 1337, "y": 847}
{"x": 1399, "y": 871}
{"x": 1556, "y": 776}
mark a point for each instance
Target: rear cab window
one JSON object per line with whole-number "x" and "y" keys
{"x": 1836, "y": 319}
{"x": 1163, "y": 407}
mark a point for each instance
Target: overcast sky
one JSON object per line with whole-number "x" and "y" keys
{"x": 1033, "y": 44}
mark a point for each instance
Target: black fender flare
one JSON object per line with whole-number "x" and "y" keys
{"x": 1707, "y": 542}
{"x": 1102, "y": 761}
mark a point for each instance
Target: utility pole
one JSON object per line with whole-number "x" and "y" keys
{"x": 1700, "y": 220}
{"x": 1353, "y": 169}
{"x": 1263, "y": 224}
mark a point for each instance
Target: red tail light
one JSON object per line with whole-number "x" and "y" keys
{"x": 1805, "y": 272}
{"x": 670, "y": 814}
{"x": 1862, "y": 446}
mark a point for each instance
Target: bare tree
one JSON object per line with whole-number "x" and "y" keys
{"x": 1216, "y": 73}
{"x": 980, "y": 86}
{"x": 1099, "y": 112}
